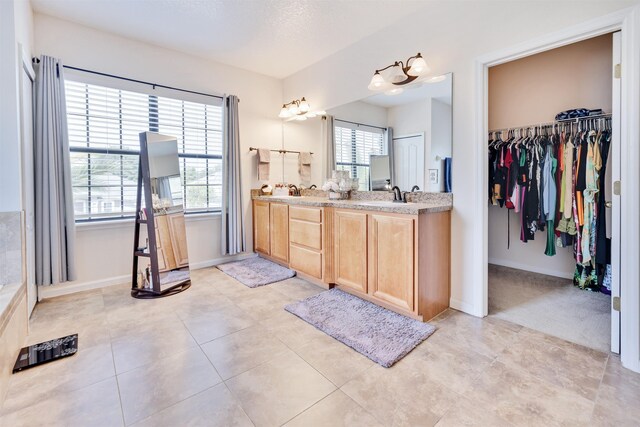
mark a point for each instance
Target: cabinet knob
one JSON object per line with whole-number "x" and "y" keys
{"x": 608, "y": 204}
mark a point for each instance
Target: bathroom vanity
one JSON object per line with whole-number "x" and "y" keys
{"x": 396, "y": 255}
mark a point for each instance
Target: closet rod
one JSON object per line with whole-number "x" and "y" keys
{"x": 555, "y": 122}
{"x": 278, "y": 151}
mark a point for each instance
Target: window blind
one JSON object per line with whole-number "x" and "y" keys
{"x": 104, "y": 125}
{"x": 354, "y": 146}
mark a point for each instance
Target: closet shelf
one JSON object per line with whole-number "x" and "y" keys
{"x": 555, "y": 122}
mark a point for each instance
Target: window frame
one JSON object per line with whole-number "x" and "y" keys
{"x": 152, "y": 93}
{"x": 353, "y": 127}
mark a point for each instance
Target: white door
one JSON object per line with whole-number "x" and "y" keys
{"x": 615, "y": 199}
{"x": 27, "y": 77}
{"x": 408, "y": 154}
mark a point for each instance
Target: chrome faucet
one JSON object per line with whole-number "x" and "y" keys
{"x": 397, "y": 195}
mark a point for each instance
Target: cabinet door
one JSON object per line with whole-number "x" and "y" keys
{"x": 306, "y": 261}
{"x": 179, "y": 239}
{"x": 391, "y": 260}
{"x": 350, "y": 237}
{"x": 261, "y": 227}
{"x": 279, "y": 225}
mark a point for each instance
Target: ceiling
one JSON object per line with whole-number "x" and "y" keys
{"x": 415, "y": 92}
{"x": 272, "y": 37}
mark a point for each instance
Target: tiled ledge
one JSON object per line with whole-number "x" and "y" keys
{"x": 10, "y": 297}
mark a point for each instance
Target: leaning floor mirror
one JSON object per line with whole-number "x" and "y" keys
{"x": 161, "y": 260}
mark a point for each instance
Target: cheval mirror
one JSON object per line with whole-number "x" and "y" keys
{"x": 166, "y": 270}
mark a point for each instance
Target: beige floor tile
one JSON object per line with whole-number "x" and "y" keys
{"x": 296, "y": 288}
{"x": 156, "y": 386}
{"x": 523, "y": 399}
{"x": 335, "y": 410}
{"x": 215, "y": 324}
{"x": 323, "y": 352}
{"x": 466, "y": 413}
{"x": 141, "y": 346}
{"x": 572, "y": 367}
{"x": 70, "y": 307}
{"x": 265, "y": 304}
{"x": 214, "y": 407}
{"x": 88, "y": 366}
{"x": 291, "y": 330}
{"x": 96, "y": 405}
{"x": 277, "y": 391}
{"x": 618, "y": 402}
{"x": 400, "y": 395}
{"x": 243, "y": 350}
{"x": 91, "y": 331}
{"x": 200, "y": 303}
{"x": 487, "y": 336}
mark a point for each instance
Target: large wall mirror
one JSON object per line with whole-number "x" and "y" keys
{"x": 420, "y": 117}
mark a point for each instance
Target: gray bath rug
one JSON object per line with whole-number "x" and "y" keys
{"x": 380, "y": 334}
{"x": 254, "y": 272}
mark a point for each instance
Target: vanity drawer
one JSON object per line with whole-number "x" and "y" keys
{"x": 305, "y": 214}
{"x": 305, "y": 261}
{"x": 305, "y": 233}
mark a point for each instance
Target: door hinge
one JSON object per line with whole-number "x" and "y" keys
{"x": 615, "y": 302}
{"x": 617, "y": 71}
{"x": 616, "y": 188}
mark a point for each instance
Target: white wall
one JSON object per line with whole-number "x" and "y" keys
{"x": 300, "y": 136}
{"x": 104, "y": 254}
{"x": 449, "y": 43}
{"x": 440, "y": 140}
{"x": 360, "y": 112}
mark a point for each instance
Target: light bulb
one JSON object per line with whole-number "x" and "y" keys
{"x": 394, "y": 91}
{"x": 293, "y": 109}
{"x": 418, "y": 67}
{"x": 284, "y": 113}
{"x": 397, "y": 75}
{"x": 304, "y": 105}
{"x": 377, "y": 82}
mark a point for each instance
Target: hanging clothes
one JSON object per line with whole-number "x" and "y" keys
{"x": 553, "y": 177}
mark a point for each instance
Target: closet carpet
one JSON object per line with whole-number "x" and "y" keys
{"x": 551, "y": 305}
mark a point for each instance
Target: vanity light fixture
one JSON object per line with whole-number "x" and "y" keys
{"x": 298, "y": 109}
{"x": 401, "y": 73}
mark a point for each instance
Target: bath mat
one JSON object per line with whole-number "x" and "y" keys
{"x": 375, "y": 332}
{"x": 254, "y": 272}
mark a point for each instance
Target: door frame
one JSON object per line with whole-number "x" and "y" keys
{"x": 625, "y": 20}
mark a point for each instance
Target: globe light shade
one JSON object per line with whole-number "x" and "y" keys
{"x": 304, "y": 105}
{"x": 301, "y": 118}
{"x": 377, "y": 82}
{"x": 293, "y": 109}
{"x": 284, "y": 113}
{"x": 397, "y": 75}
{"x": 418, "y": 67}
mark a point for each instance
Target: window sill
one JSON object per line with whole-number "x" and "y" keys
{"x": 127, "y": 222}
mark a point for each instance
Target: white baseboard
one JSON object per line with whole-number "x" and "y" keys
{"x": 465, "y": 307}
{"x": 73, "y": 287}
{"x": 526, "y": 267}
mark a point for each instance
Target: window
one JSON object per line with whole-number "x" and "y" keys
{"x": 104, "y": 126}
{"x": 354, "y": 145}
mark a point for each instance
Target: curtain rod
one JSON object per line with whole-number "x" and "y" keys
{"x": 278, "y": 151}
{"x": 360, "y": 124}
{"x": 562, "y": 121}
{"x": 153, "y": 85}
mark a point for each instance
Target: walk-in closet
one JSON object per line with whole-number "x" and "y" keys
{"x": 553, "y": 156}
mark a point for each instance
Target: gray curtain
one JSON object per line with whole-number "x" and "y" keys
{"x": 329, "y": 139}
{"x": 233, "y": 231}
{"x": 388, "y": 136}
{"x": 54, "y": 221}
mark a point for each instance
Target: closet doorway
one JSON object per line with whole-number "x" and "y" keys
{"x": 553, "y": 218}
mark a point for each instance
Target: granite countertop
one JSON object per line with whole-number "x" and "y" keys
{"x": 437, "y": 203}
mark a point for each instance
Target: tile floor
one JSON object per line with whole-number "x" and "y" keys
{"x": 222, "y": 354}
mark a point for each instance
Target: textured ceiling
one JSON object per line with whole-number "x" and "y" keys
{"x": 272, "y": 37}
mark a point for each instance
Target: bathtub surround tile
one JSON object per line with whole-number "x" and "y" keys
{"x": 10, "y": 248}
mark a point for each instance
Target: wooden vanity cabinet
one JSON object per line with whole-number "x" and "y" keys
{"x": 392, "y": 259}
{"x": 350, "y": 250}
{"x": 305, "y": 240}
{"x": 261, "y": 227}
{"x": 279, "y": 231}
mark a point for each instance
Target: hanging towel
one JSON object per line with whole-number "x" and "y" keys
{"x": 304, "y": 168}
{"x": 447, "y": 174}
{"x": 264, "y": 159}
